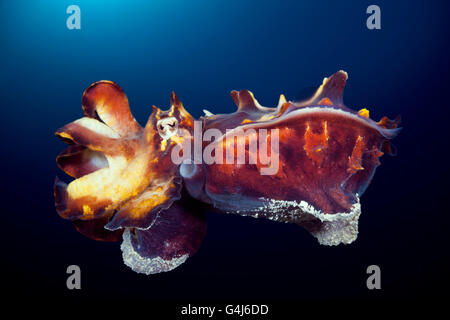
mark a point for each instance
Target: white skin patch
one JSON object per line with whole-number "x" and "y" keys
{"x": 146, "y": 265}
{"x": 97, "y": 127}
{"x": 336, "y": 228}
{"x": 167, "y": 127}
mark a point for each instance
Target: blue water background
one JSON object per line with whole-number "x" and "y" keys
{"x": 202, "y": 50}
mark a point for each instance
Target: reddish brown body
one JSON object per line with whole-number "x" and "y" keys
{"x": 320, "y": 158}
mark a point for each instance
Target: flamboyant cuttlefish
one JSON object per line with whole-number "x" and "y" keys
{"x": 302, "y": 162}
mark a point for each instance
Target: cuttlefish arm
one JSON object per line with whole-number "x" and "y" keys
{"x": 123, "y": 172}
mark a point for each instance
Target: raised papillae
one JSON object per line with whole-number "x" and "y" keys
{"x": 304, "y": 162}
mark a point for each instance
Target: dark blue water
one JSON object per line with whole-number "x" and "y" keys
{"x": 203, "y": 50}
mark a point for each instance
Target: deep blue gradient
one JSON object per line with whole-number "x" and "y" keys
{"x": 203, "y": 50}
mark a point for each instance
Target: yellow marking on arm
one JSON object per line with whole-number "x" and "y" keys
{"x": 87, "y": 211}
{"x": 65, "y": 135}
{"x": 163, "y": 145}
{"x": 177, "y": 139}
{"x": 149, "y": 199}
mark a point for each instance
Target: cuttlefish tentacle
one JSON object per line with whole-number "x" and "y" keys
{"x": 122, "y": 174}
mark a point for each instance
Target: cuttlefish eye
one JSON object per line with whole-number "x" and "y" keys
{"x": 167, "y": 127}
